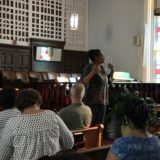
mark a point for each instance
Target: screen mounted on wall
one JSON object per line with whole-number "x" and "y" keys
{"x": 48, "y": 53}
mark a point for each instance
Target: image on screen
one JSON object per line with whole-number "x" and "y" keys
{"x": 44, "y": 53}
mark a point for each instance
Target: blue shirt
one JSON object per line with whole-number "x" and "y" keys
{"x": 136, "y": 148}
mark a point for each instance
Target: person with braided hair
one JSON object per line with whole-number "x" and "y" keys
{"x": 140, "y": 144}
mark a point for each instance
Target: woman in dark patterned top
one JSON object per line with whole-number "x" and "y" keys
{"x": 96, "y": 82}
{"x": 140, "y": 145}
{"x": 34, "y": 133}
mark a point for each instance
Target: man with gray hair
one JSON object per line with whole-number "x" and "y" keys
{"x": 77, "y": 115}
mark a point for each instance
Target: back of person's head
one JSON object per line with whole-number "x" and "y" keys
{"x": 137, "y": 111}
{"x": 93, "y": 53}
{"x": 7, "y": 97}
{"x": 77, "y": 90}
{"x": 26, "y": 98}
{"x": 65, "y": 156}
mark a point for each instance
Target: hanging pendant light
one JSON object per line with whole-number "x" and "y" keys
{"x": 74, "y": 19}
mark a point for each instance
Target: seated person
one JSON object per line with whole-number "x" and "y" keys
{"x": 77, "y": 115}
{"x": 141, "y": 144}
{"x": 35, "y": 132}
{"x": 7, "y": 99}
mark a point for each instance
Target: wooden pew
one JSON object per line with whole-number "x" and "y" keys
{"x": 90, "y": 137}
{"x": 98, "y": 153}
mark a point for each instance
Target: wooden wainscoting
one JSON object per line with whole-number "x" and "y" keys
{"x": 14, "y": 57}
{"x": 22, "y": 58}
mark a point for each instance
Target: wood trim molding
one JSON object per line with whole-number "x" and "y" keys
{"x": 44, "y": 42}
{"x": 13, "y": 46}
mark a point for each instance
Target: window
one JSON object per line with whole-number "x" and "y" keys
{"x": 156, "y": 75}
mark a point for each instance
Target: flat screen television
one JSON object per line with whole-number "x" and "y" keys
{"x": 44, "y": 53}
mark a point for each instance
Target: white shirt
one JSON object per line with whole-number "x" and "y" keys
{"x": 6, "y": 115}
{"x": 28, "y": 137}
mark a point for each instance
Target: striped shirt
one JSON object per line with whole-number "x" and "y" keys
{"x": 6, "y": 115}
{"x": 28, "y": 137}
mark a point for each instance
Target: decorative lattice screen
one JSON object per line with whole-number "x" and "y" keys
{"x": 24, "y": 19}
{"x": 14, "y": 21}
{"x": 21, "y": 20}
{"x": 47, "y": 19}
{"x": 77, "y": 39}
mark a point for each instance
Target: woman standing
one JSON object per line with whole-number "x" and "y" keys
{"x": 96, "y": 82}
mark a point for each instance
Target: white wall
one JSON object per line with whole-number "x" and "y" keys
{"x": 112, "y": 26}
